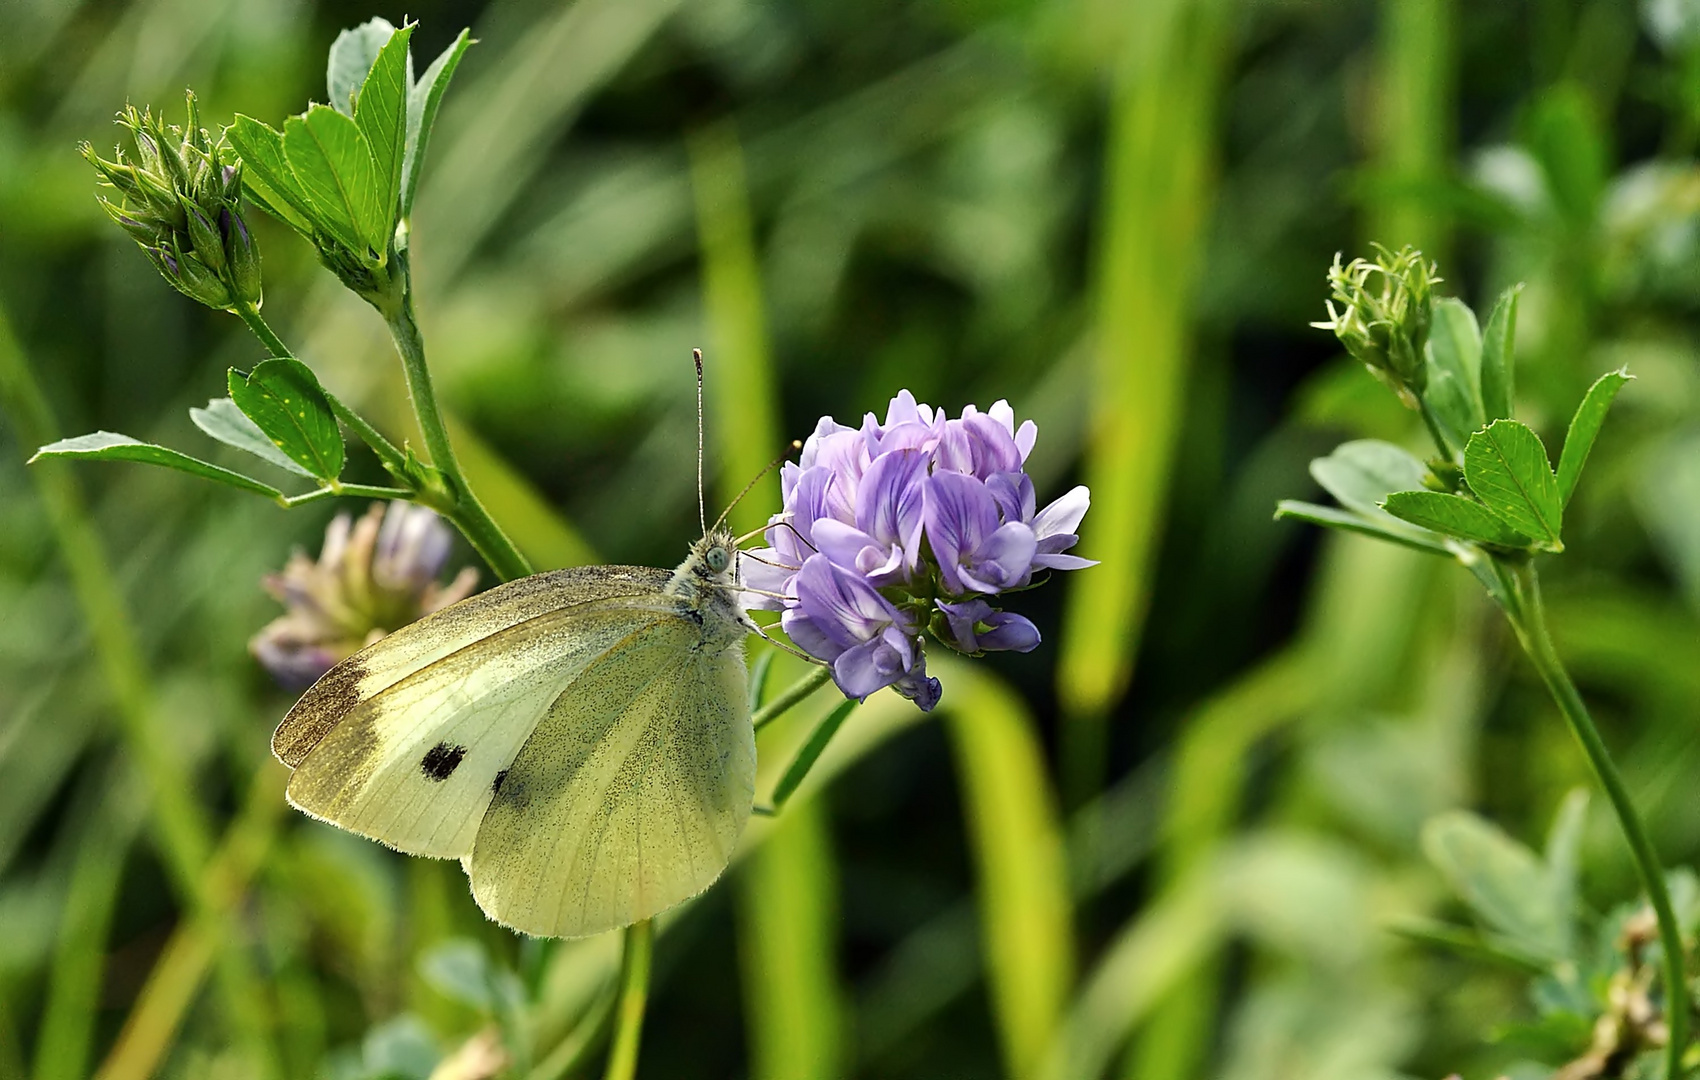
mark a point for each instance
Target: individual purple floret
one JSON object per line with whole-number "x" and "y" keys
{"x": 372, "y": 576}
{"x": 908, "y": 527}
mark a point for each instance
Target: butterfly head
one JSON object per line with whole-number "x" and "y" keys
{"x": 714, "y": 558}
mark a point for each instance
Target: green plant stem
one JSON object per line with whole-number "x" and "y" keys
{"x": 634, "y": 996}
{"x": 790, "y": 696}
{"x": 1528, "y": 619}
{"x": 468, "y": 514}
{"x": 358, "y": 491}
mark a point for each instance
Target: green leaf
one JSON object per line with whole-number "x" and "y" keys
{"x": 351, "y": 58}
{"x": 111, "y": 446}
{"x": 381, "y": 113}
{"x": 1453, "y": 365}
{"x": 1565, "y": 136}
{"x": 225, "y": 421}
{"x": 1564, "y": 855}
{"x": 423, "y": 101}
{"x": 1393, "y": 530}
{"x": 459, "y": 969}
{"x": 1470, "y": 944}
{"x": 333, "y": 163}
{"x": 806, "y": 757}
{"x": 1507, "y": 467}
{"x": 1498, "y": 360}
{"x": 1363, "y": 472}
{"x": 267, "y": 176}
{"x": 1507, "y": 887}
{"x": 284, "y": 399}
{"x": 1584, "y": 427}
{"x": 1453, "y": 515}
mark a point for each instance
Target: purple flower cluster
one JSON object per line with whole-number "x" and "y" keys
{"x": 892, "y": 529}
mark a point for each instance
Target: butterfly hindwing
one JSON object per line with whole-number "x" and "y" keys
{"x": 444, "y": 705}
{"x": 630, "y": 794}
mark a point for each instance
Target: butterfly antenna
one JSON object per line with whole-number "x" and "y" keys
{"x": 702, "y": 515}
{"x": 774, "y": 464}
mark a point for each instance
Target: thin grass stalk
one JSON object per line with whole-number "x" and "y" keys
{"x": 1413, "y": 123}
{"x": 1157, "y": 194}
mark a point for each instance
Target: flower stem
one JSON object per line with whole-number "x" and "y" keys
{"x": 468, "y": 514}
{"x": 790, "y": 696}
{"x": 1528, "y": 619}
{"x": 634, "y": 995}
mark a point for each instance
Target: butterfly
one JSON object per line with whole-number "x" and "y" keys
{"x": 580, "y": 740}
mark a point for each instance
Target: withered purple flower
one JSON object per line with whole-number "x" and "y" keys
{"x": 372, "y": 576}
{"x": 891, "y": 531}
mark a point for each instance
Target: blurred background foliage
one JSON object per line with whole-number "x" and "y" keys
{"x": 1169, "y": 844}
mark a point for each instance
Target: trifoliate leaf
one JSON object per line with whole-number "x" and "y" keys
{"x": 1507, "y": 467}
{"x": 330, "y": 157}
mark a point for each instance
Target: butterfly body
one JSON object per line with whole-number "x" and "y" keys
{"x": 580, "y": 740}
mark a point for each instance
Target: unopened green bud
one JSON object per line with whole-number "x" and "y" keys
{"x": 244, "y": 259}
{"x": 1383, "y": 316}
{"x": 182, "y": 203}
{"x": 204, "y": 237}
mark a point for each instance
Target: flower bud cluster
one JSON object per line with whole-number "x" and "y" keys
{"x": 910, "y": 526}
{"x": 179, "y": 197}
{"x": 1384, "y": 314}
{"x": 372, "y": 576}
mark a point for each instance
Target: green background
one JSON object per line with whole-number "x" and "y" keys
{"x": 1167, "y": 844}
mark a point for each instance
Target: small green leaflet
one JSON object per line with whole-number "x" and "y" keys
{"x": 330, "y": 158}
{"x": 1453, "y": 363}
{"x": 285, "y": 401}
{"x": 1453, "y": 515}
{"x": 1363, "y": 472}
{"x": 423, "y": 100}
{"x": 1506, "y": 466}
{"x": 351, "y": 58}
{"x": 111, "y": 446}
{"x": 1584, "y": 427}
{"x": 1498, "y": 366}
{"x": 225, "y": 421}
{"x": 381, "y": 114}
{"x": 267, "y": 175}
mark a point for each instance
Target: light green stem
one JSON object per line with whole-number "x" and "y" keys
{"x": 790, "y": 696}
{"x": 634, "y": 996}
{"x": 1528, "y": 619}
{"x": 468, "y": 514}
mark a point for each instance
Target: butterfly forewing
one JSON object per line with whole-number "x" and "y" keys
{"x": 630, "y": 794}
{"x": 412, "y": 648}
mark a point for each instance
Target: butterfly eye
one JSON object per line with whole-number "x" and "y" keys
{"x": 717, "y": 559}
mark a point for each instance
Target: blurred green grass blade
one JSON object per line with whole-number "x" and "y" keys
{"x": 1134, "y": 975}
{"x": 788, "y": 943}
{"x": 178, "y": 821}
{"x": 543, "y": 535}
{"x": 498, "y": 130}
{"x": 811, "y": 752}
{"x": 1412, "y": 127}
{"x": 738, "y": 370}
{"x": 106, "y": 831}
{"x": 1205, "y": 799}
{"x": 1157, "y": 195}
{"x": 1021, "y": 871}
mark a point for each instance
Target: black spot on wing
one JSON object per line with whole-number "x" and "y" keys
{"x": 496, "y": 788}
{"x": 442, "y": 760}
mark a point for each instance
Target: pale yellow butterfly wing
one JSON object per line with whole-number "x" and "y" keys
{"x": 403, "y": 741}
{"x": 631, "y": 793}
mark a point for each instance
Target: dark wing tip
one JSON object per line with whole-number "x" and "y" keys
{"x": 321, "y": 708}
